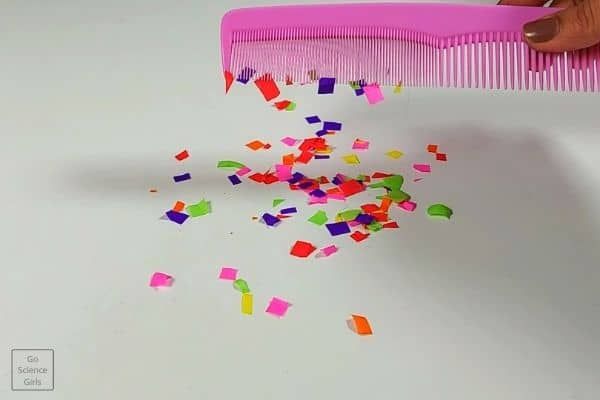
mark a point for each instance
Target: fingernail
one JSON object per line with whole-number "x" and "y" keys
{"x": 541, "y": 30}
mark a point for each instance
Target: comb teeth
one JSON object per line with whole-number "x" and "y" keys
{"x": 387, "y": 56}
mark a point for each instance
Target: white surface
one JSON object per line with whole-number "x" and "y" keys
{"x": 500, "y": 303}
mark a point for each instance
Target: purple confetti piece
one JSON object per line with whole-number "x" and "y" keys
{"x": 318, "y": 193}
{"x": 359, "y": 92}
{"x": 234, "y": 179}
{"x": 332, "y": 126}
{"x": 296, "y": 177}
{"x": 326, "y": 85}
{"x": 336, "y": 181}
{"x": 313, "y": 119}
{"x": 320, "y": 133}
{"x": 245, "y": 75}
{"x": 270, "y": 220}
{"x": 176, "y": 217}
{"x": 290, "y": 210}
{"x": 364, "y": 219}
{"x": 338, "y": 228}
{"x": 321, "y": 157}
{"x": 182, "y": 177}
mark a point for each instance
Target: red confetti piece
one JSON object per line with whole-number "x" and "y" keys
{"x": 359, "y": 236}
{"x": 228, "y": 80}
{"x": 287, "y": 159}
{"x": 432, "y": 148}
{"x": 323, "y": 180}
{"x": 391, "y": 225}
{"x": 302, "y": 249}
{"x": 441, "y": 157}
{"x": 351, "y": 187}
{"x": 257, "y": 177}
{"x": 267, "y": 87}
{"x": 378, "y": 175}
{"x": 312, "y": 144}
{"x": 270, "y": 178}
{"x": 380, "y": 216}
{"x": 267, "y": 146}
{"x": 305, "y": 157}
{"x": 282, "y": 105}
{"x": 182, "y": 155}
{"x": 370, "y": 208}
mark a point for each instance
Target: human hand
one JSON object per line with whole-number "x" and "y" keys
{"x": 575, "y": 27}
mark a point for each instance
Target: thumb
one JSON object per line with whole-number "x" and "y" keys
{"x": 573, "y": 28}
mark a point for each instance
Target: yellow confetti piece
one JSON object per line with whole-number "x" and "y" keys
{"x": 247, "y": 303}
{"x": 328, "y": 150}
{"x": 351, "y": 159}
{"x": 398, "y": 88}
{"x": 395, "y": 154}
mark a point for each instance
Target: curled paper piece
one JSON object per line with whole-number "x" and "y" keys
{"x": 440, "y": 210}
{"x": 231, "y": 165}
{"x": 160, "y": 279}
{"x": 241, "y": 286}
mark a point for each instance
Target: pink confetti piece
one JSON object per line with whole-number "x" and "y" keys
{"x": 360, "y": 145}
{"x": 317, "y": 200}
{"x": 373, "y": 93}
{"x": 160, "y": 279}
{"x": 277, "y": 307}
{"x": 283, "y": 172}
{"x": 417, "y": 179}
{"x": 354, "y": 223}
{"x": 327, "y": 251}
{"x": 408, "y": 205}
{"x": 228, "y": 274}
{"x": 243, "y": 171}
{"x": 425, "y": 168}
{"x": 289, "y": 141}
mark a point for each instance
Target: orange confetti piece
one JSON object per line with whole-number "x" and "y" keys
{"x": 361, "y": 325}
{"x": 385, "y": 204}
{"x": 179, "y": 206}
{"x": 255, "y": 145}
{"x": 432, "y": 148}
{"x": 287, "y": 159}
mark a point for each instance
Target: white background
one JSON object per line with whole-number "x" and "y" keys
{"x": 500, "y": 303}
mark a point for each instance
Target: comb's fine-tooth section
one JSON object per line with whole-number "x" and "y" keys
{"x": 388, "y": 56}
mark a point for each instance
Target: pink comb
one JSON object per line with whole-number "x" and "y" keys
{"x": 427, "y": 45}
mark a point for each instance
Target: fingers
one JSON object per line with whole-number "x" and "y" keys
{"x": 573, "y": 28}
{"x": 533, "y": 3}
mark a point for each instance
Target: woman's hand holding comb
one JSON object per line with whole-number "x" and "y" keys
{"x": 575, "y": 27}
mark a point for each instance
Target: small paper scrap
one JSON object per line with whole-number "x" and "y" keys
{"x": 230, "y": 165}
{"x": 234, "y": 179}
{"x": 199, "y": 209}
{"x": 302, "y": 249}
{"x": 361, "y": 325}
{"x": 394, "y": 154}
{"x": 338, "y": 228}
{"x": 182, "y": 177}
{"x": 319, "y": 218}
{"x": 351, "y": 159}
{"x": 360, "y": 144}
{"x": 289, "y": 141}
{"x": 241, "y": 286}
{"x": 408, "y": 206}
{"x": 327, "y": 251}
{"x": 278, "y": 307}
{"x": 277, "y": 202}
{"x": 267, "y": 87}
{"x": 313, "y": 119}
{"x": 440, "y": 210}
{"x": 359, "y": 236}
{"x": 326, "y": 86}
{"x": 255, "y": 145}
{"x": 182, "y": 155}
{"x": 247, "y": 302}
{"x": 432, "y": 148}
{"x": 160, "y": 279}
{"x": 373, "y": 93}
{"x": 424, "y": 168}
{"x": 177, "y": 217}
{"x": 228, "y": 274}
{"x": 179, "y": 206}
{"x": 243, "y": 171}
{"x": 441, "y": 157}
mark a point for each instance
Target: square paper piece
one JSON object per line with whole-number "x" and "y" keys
{"x": 278, "y": 307}
{"x": 228, "y": 274}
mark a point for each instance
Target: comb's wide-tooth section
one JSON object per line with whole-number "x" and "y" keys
{"x": 388, "y": 56}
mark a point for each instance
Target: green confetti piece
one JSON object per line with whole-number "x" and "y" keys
{"x": 241, "y": 286}
{"x": 277, "y": 202}
{"x": 349, "y": 215}
{"x": 374, "y": 226}
{"x": 398, "y": 196}
{"x": 377, "y": 185}
{"x": 319, "y": 218}
{"x": 229, "y": 165}
{"x": 361, "y": 178}
{"x": 440, "y": 210}
{"x": 394, "y": 182}
{"x": 199, "y": 209}
{"x": 291, "y": 106}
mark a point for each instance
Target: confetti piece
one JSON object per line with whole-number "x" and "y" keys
{"x": 182, "y": 155}
{"x": 395, "y": 154}
{"x": 270, "y": 220}
{"x": 327, "y": 251}
{"x": 153, "y": 190}
{"x": 177, "y": 217}
{"x": 360, "y": 145}
{"x": 319, "y": 218}
{"x": 267, "y": 87}
{"x": 302, "y": 249}
{"x": 313, "y": 119}
{"x": 408, "y": 205}
{"x": 282, "y": 105}
{"x": 277, "y": 307}
{"x": 283, "y": 172}
{"x": 391, "y": 225}
{"x": 241, "y": 286}
{"x": 277, "y": 202}
{"x": 432, "y": 148}
{"x": 398, "y": 88}
{"x": 199, "y": 209}
{"x": 441, "y": 157}
{"x": 179, "y": 206}
{"x": 290, "y": 210}
{"x": 359, "y": 236}
{"x": 425, "y": 168}
{"x": 440, "y": 210}
{"x": 245, "y": 75}
{"x": 417, "y": 179}
{"x": 351, "y": 187}
{"x": 228, "y": 274}
{"x": 321, "y": 157}
{"x": 234, "y": 179}
{"x": 348, "y": 215}
{"x": 230, "y": 165}
{"x": 288, "y": 159}
{"x": 228, "y": 80}
{"x": 247, "y": 303}
{"x": 182, "y": 177}
{"x": 289, "y": 141}
{"x": 373, "y": 93}
{"x": 291, "y": 106}
{"x": 255, "y": 145}
{"x": 364, "y": 219}
{"x": 338, "y": 228}
{"x": 304, "y": 157}
{"x": 326, "y": 86}
{"x": 361, "y": 325}
{"x": 160, "y": 279}
{"x": 332, "y": 126}
{"x": 351, "y": 159}
{"x": 243, "y": 171}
